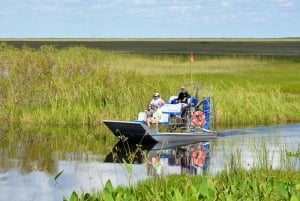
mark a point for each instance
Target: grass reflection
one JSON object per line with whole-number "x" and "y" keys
{"x": 34, "y": 148}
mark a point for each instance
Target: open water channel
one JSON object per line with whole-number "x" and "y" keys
{"x": 27, "y": 171}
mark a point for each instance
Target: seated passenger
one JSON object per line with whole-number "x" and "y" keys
{"x": 183, "y": 97}
{"x": 148, "y": 115}
{"x": 157, "y": 100}
{"x": 157, "y": 114}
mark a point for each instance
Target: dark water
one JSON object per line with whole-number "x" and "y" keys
{"x": 29, "y": 166}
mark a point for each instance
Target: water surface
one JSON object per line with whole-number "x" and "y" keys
{"x": 29, "y": 165}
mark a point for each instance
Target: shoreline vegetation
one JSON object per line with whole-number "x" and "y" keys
{"x": 82, "y": 86}
{"x": 210, "y": 46}
{"x": 236, "y": 184}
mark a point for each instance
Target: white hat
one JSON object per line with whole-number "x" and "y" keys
{"x": 156, "y": 94}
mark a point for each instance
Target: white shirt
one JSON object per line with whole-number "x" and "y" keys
{"x": 157, "y": 102}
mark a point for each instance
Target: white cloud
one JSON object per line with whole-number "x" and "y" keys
{"x": 198, "y": 7}
{"x": 144, "y": 1}
{"x": 285, "y": 3}
{"x": 170, "y": 17}
{"x": 225, "y": 3}
{"x": 178, "y": 8}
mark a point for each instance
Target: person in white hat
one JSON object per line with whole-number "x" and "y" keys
{"x": 157, "y": 101}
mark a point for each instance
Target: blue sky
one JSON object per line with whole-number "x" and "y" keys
{"x": 149, "y": 18}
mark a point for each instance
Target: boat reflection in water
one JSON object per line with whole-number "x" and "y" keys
{"x": 164, "y": 158}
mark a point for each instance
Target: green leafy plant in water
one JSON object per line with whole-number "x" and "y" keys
{"x": 85, "y": 197}
{"x": 294, "y": 154}
{"x": 127, "y": 167}
{"x": 58, "y": 175}
{"x": 108, "y": 192}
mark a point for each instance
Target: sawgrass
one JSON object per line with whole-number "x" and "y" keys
{"x": 83, "y": 86}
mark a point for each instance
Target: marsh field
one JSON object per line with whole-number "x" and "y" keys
{"x": 63, "y": 83}
{"x": 66, "y": 82}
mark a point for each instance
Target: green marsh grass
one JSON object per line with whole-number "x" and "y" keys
{"x": 82, "y": 86}
{"x": 257, "y": 184}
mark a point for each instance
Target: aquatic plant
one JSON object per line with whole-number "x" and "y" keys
{"x": 257, "y": 184}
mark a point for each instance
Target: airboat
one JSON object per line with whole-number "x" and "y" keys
{"x": 196, "y": 123}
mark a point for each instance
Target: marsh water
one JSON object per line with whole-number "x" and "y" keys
{"x": 50, "y": 166}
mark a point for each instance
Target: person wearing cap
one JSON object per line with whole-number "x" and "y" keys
{"x": 157, "y": 101}
{"x": 183, "y": 97}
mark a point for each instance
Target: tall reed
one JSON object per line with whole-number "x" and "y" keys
{"x": 84, "y": 86}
